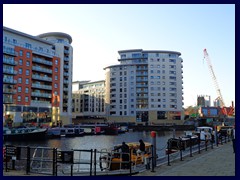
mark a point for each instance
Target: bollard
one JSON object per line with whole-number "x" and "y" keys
{"x": 153, "y": 135}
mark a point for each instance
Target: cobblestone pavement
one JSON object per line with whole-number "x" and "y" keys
{"x": 219, "y": 161}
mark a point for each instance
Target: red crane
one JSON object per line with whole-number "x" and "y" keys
{"x": 225, "y": 110}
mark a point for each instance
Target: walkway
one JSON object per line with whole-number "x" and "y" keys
{"x": 219, "y": 161}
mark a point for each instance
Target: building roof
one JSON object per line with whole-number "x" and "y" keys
{"x": 26, "y": 35}
{"x": 58, "y": 34}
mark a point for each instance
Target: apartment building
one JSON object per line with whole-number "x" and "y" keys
{"x": 145, "y": 88}
{"x": 37, "y": 77}
{"x": 88, "y": 100}
{"x": 203, "y": 100}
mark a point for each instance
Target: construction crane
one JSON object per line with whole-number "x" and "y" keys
{"x": 206, "y": 56}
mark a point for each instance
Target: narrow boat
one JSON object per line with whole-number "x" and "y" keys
{"x": 24, "y": 134}
{"x": 54, "y": 132}
{"x": 181, "y": 143}
{"x": 112, "y": 160}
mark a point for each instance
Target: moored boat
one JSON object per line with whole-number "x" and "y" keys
{"x": 181, "y": 143}
{"x": 24, "y": 133}
{"x": 112, "y": 160}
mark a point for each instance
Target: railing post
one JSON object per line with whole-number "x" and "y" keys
{"x": 91, "y": 159}
{"x": 190, "y": 146}
{"x": 206, "y": 142}
{"x": 28, "y": 160}
{"x": 54, "y": 162}
{"x": 199, "y": 142}
{"x": 95, "y": 162}
{"x": 130, "y": 163}
{"x": 152, "y": 159}
{"x": 181, "y": 159}
{"x": 168, "y": 147}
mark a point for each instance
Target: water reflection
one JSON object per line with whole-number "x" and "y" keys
{"x": 103, "y": 141}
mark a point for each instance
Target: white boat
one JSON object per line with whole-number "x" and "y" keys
{"x": 205, "y": 132}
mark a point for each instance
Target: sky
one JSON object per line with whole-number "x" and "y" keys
{"x": 100, "y": 31}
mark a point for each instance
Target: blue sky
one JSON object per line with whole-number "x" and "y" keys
{"x": 100, "y": 31}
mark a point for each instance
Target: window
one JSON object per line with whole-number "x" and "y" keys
{"x": 29, "y": 46}
{"x": 19, "y": 80}
{"x": 56, "y": 69}
{"x": 26, "y": 90}
{"x": 19, "y": 98}
{"x": 28, "y": 63}
{"x": 20, "y": 71}
{"x": 19, "y": 89}
{"x": 55, "y": 85}
{"x": 28, "y": 54}
{"x": 27, "y": 81}
{"x": 20, "y": 62}
{"x": 27, "y": 72}
{"x": 20, "y": 53}
{"x": 56, "y": 77}
{"x": 26, "y": 99}
{"x": 14, "y": 41}
{"x": 56, "y": 61}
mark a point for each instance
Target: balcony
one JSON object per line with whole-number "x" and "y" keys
{"x": 9, "y": 91}
{"x": 42, "y": 61}
{"x": 66, "y": 59}
{"x": 9, "y": 50}
{"x": 9, "y": 81}
{"x": 36, "y": 68}
{"x": 141, "y": 74}
{"x": 45, "y": 95}
{"x": 9, "y": 71}
{"x": 66, "y": 74}
{"x": 41, "y": 86}
{"x": 44, "y": 78}
{"x": 142, "y": 79}
{"x": 66, "y": 67}
{"x": 10, "y": 61}
{"x": 39, "y": 103}
{"x": 66, "y": 51}
{"x": 65, "y": 81}
{"x": 8, "y": 100}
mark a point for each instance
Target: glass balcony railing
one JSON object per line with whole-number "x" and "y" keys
{"x": 9, "y": 91}
{"x": 36, "y": 68}
{"x": 9, "y": 71}
{"x": 10, "y": 61}
{"x": 41, "y": 86}
{"x": 39, "y": 60}
{"x": 9, "y": 81}
{"x": 46, "y": 95}
{"x": 41, "y": 77}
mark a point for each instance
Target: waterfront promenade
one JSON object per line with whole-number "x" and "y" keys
{"x": 219, "y": 161}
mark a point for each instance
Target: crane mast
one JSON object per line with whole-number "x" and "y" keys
{"x": 206, "y": 56}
